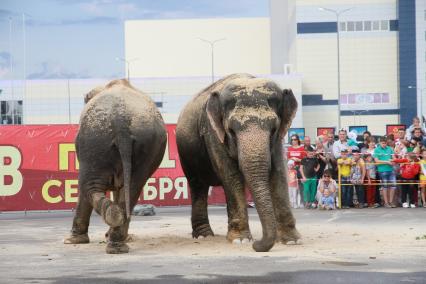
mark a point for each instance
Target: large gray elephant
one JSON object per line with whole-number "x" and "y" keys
{"x": 231, "y": 134}
{"x": 120, "y": 143}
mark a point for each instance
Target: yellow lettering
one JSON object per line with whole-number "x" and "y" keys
{"x": 45, "y": 191}
{"x": 10, "y": 169}
{"x": 71, "y": 191}
{"x": 166, "y": 163}
{"x": 64, "y": 150}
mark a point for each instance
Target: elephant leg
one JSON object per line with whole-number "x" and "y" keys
{"x": 112, "y": 213}
{"x": 199, "y": 216}
{"x": 287, "y": 232}
{"x": 118, "y": 236}
{"x": 81, "y": 221}
{"x": 238, "y": 227}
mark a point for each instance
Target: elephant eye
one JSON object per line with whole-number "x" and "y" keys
{"x": 273, "y": 102}
{"x": 230, "y": 104}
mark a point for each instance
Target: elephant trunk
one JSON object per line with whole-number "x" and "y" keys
{"x": 255, "y": 163}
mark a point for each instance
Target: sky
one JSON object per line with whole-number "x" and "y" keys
{"x": 83, "y": 38}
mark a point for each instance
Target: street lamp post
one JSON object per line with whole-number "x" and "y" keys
{"x": 127, "y": 64}
{"x": 212, "y": 48}
{"x": 420, "y": 90}
{"x": 337, "y": 13}
{"x": 11, "y": 70}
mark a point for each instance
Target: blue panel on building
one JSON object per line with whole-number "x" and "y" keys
{"x": 407, "y": 59}
{"x": 316, "y": 100}
{"x": 393, "y": 25}
{"x": 313, "y": 28}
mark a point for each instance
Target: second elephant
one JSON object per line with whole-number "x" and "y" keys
{"x": 231, "y": 135}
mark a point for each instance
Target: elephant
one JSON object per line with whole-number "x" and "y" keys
{"x": 230, "y": 134}
{"x": 120, "y": 143}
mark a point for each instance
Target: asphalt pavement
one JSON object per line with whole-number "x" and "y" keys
{"x": 344, "y": 246}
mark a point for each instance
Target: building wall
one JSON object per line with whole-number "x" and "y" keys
{"x": 421, "y": 55}
{"x": 172, "y": 48}
{"x": 61, "y": 101}
{"x": 368, "y": 63}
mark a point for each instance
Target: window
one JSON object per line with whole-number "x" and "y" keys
{"x": 358, "y": 26}
{"x": 367, "y": 26}
{"x": 10, "y": 112}
{"x": 384, "y": 25}
{"x": 376, "y": 25}
{"x": 351, "y": 26}
{"x": 364, "y": 98}
{"x": 342, "y": 26}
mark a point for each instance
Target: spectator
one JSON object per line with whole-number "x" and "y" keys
{"x": 416, "y": 124}
{"x": 293, "y": 185}
{"x": 331, "y": 160}
{"x": 309, "y": 168}
{"x": 411, "y": 145}
{"x": 419, "y": 135}
{"x": 371, "y": 142}
{"x": 307, "y": 143}
{"x": 400, "y": 137}
{"x": 357, "y": 177}
{"x": 296, "y": 151}
{"x": 409, "y": 171}
{"x": 423, "y": 176}
{"x": 326, "y": 191}
{"x": 342, "y": 144}
{"x": 383, "y": 155}
{"x": 400, "y": 148}
{"x": 320, "y": 154}
{"x": 345, "y": 164}
{"x": 390, "y": 141}
{"x": 370, "y": 178}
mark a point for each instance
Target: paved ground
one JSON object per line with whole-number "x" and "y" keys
{"x": 352, "y": 246}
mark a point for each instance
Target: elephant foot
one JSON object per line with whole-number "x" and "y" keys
{"x": 117, "y": 248}
{"x": 114, "y": 216}
{"x": 239, "y": 237}
{"x": 290, "y": 236}
{"x": 202, "y": 231}
{"x": 77, "y": 239}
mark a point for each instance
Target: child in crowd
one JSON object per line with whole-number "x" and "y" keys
{"x": 423, "y": 176}
{"x": 409, "y": 171}
{"x": 326, "y": 191}
{"x": 345, "y": 164}
{"x": 357, "y": 177}
{"x": 309, "y": 168}
{"x": 370, "y": 178}
{"x": 293, "y": 185}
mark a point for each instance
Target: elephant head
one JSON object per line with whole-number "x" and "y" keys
{"x": 250, "y": 117}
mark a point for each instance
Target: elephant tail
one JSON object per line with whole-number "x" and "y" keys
{"x": 125, "y": 148}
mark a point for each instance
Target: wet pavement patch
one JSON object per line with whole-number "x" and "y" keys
{"x": 345, "y": 263}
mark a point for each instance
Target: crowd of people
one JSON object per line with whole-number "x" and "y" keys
{"x": 390, "y": 172}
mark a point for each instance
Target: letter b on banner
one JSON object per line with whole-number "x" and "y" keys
{"x": 10, "y": 160}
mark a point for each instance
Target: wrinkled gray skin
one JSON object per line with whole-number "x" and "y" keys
{"x": 120, "y": 143}
{"x": 231, "y": 134}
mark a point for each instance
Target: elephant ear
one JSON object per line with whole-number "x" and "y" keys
{"x": 288, "y": 111}
{"x": 214, "y": 115}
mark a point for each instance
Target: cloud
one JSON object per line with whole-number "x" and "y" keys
{"x": 55, "y": 71}
{"x": 4, "y": 14}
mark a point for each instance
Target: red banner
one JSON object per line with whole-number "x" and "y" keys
{"x": 39, "y": 171}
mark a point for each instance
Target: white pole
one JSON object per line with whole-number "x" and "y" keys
{"x": 11, "y": 70}
{"x": 24, "y": 33}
